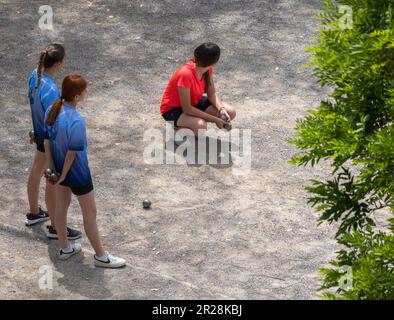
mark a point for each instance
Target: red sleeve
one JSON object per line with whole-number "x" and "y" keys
{"x": 184, "y": 79}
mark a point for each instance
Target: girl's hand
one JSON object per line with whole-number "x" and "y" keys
{"x": 223, "y": 111}
{"x": 220, "y": 123}
{"x": 61, "y": 179}
{"x": 49, "y": 180}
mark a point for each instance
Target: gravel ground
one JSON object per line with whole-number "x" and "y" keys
{"x": 210, "y": 233}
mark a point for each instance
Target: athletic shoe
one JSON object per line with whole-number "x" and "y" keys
{"x": 66, "y": 255}
{"x": 32, "y": 219}
{"x": 72, "y": 234}
{"x": 111, "y": 262}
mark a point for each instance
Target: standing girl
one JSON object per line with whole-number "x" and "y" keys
{"x": 183, "y": 102}
{"x": 66, "y": 146}
{"x": 43, "y": 91}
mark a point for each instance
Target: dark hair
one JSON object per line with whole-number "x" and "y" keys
{"x": 52, "y": 54}
{"x": 72, "y": 85}
{"x": 206, "y": 55}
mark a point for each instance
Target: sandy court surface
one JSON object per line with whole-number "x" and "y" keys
{"x": 210, "y": 234}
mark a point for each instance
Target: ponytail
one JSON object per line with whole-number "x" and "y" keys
{"x": 54, "y": 112}
{"x": 39, "y": 67}
{"x": 52, "y": 54}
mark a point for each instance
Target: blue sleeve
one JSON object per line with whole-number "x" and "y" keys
{"x": 32, "y": 84}
{"x": 46, "y": 134}
{"x": 77, "y": 136}
{"x": 30, "y": 80}
{"x": 50, "y": 96}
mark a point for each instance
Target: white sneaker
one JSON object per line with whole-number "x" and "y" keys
{"x": 66, "y": 255}
{"x": 111, "y": 262}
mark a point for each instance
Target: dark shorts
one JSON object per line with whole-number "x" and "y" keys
{"x": 40, "y": 145}
{"x": 174, "y": 114}
{"x": 80, "y": 191}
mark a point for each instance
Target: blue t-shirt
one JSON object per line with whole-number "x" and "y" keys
{"x": 46, "y": 93}
{"x": 69, "y": 133}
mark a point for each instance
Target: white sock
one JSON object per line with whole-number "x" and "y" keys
{"x": 69, "y": 249}
{"x": 104, "y": 257}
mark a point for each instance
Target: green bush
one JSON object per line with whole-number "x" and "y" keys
{"x": 353, "y": 128}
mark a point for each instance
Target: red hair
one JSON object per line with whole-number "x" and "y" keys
{"x": 73, "y": 84}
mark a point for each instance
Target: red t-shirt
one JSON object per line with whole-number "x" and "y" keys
{"x": 185, "y": 77}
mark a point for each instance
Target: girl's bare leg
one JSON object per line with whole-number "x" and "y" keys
{"x": 63, "y": 197}
{"x": 33, "y": 187}
{"x": 89, "y": 212}
{"x": 193, "y": 123}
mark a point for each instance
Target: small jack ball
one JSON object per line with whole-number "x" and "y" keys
{"x": 146, "y": 203}
{"x": 223, "y": 117}
{"x": 48, "y": 172}
{"x": 54, "y": 177}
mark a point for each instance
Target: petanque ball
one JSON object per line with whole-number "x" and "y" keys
{"x": 54, "y": 177}
{"x": 146, "y": 203}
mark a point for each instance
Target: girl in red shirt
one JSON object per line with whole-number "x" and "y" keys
{"x": 184, "y": 103}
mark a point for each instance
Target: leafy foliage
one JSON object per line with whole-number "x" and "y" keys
{"x": 354, "y": 128}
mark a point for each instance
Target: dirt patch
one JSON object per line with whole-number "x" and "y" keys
{"x": 210, "y": 233}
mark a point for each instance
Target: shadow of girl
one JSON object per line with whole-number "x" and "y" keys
{"x": 79, "y": 277}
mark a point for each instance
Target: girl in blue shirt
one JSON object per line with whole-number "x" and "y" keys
{"x": 66, "y": 150}
{"x": 43, "y": 91}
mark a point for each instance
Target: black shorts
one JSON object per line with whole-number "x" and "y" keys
{"x": 80, "y": 191}
{"x": 174, "y": 114}
{"x": 40, "y": 145}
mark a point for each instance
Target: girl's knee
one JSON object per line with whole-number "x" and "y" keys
{"x": 201, "y": 124}
{"x": 231, "y": 111}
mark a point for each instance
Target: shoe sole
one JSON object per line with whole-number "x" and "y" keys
{"x": 99, "y": 264}
{"x": 55, "y": 237}
{"x": 66, "y": 256}
{"x": 33, "y": 222}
